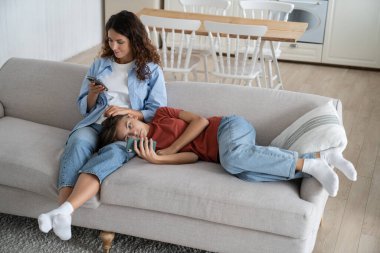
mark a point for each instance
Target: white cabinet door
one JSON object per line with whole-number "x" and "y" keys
{"x": 305, "y": 52}
{"x": 353, "y": 33}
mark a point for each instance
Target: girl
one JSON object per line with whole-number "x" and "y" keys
{"x": 184, "y": 137}
{"x": 130, "y": 82}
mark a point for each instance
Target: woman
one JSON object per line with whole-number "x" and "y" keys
{"x": 184, "y": 137}
{"x": 130, "y": 82}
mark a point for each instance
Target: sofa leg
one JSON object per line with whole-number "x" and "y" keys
{"x": 107, "y": 238}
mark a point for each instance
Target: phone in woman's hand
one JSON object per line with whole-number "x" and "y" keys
{"x": 96, "y": 81}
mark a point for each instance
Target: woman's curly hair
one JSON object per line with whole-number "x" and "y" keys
{"x": 128, "y": 24}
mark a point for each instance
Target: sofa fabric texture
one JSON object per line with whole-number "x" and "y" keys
{"x": 196, "y": 205}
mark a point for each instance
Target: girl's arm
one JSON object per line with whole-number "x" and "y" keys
{"x": 146, "y": 152}
{"x": 196, "y": 125}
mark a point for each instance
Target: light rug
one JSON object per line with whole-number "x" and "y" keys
{"x": 21, "y": 235}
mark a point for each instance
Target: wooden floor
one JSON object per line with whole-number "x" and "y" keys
{"x": 351, "y": 220}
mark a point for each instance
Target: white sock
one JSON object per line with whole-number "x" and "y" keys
{"x": 62, "y": 226}
{"x": 320, "y": 170}
{"x": 335, "y": 158}
{"x": 45, "y": 220}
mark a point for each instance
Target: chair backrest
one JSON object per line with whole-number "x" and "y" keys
{"x": 212, "y": 7}
{"x": 215, "y": 7}
{"x": 174, "y": 55}
{"x": 272, "y": 10}
{"x": 226, "y": 38}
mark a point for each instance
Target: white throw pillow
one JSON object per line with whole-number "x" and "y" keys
{"x": 317, "y": 130}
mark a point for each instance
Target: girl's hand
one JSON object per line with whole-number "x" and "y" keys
{"x": 145, "y": 150}
{"x": 114, "y": 110}
{"x": 95, "y": 89}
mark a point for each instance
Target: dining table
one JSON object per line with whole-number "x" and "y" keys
{"x": 277, "y": 31}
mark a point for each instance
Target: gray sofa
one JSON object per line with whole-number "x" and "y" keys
{"x": 196, "y": 205}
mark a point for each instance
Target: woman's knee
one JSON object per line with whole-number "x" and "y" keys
{"x": 83, "y": 136}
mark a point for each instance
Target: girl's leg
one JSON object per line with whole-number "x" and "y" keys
{"x": 241, "y": 157}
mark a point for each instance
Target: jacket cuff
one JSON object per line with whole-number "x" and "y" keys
{"x": 148, "y": 115}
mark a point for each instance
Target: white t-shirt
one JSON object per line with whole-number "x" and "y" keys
{"x": 117, "y": 84}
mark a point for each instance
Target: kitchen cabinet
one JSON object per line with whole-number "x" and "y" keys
{"x": 305, "y": 52}
{"x": 353, "y": 33}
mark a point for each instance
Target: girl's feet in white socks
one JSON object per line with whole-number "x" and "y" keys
{"x": 57, "y": 218}
{"x": 320, "y": 170}
{"x": 335, "y": 158}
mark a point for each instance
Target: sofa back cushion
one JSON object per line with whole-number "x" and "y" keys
{"x": 270, "y": 111}
{"x": 41, "y": 91}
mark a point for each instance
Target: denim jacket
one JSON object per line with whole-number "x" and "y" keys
{"x": 145, "y": 95}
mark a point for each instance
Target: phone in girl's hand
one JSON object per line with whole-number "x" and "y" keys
{"x": 130, "y": 143}
{"x": 96, "y": 81}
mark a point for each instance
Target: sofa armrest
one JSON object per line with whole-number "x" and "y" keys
{"x": 1, "y": 110}
{"x": 311, "y": 190}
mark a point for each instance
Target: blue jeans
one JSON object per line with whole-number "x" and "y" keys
{"x": 240, "y": 156}
{"x": 79, "y": 156}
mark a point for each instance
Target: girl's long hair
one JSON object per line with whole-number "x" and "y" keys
{"x": 128, "y": 24}
{"x": 108, "y": 133}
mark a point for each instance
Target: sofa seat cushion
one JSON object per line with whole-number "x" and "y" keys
{"x": 205, "y": 191}
{"x": 29, "y": 155}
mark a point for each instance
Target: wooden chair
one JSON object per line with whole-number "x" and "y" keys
{"x": 175, "y": 58}
{"x": 213, "y": 7}
{"x": 237, "y": 66}
{"x": 272, "y": 10}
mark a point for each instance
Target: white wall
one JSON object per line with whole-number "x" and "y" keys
{"x": 49, "y": 29}
{"x": 114, "y": 6}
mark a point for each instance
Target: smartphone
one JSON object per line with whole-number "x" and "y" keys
{"x": 130, "y": 143}
{"x": 96, "y": 81}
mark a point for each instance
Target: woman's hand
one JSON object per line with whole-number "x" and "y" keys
{"x": 145, "y": 150}
{"x": 95, "y": 89}
{"x": 93, "y": 93}
{"x": 114, "y": 110}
